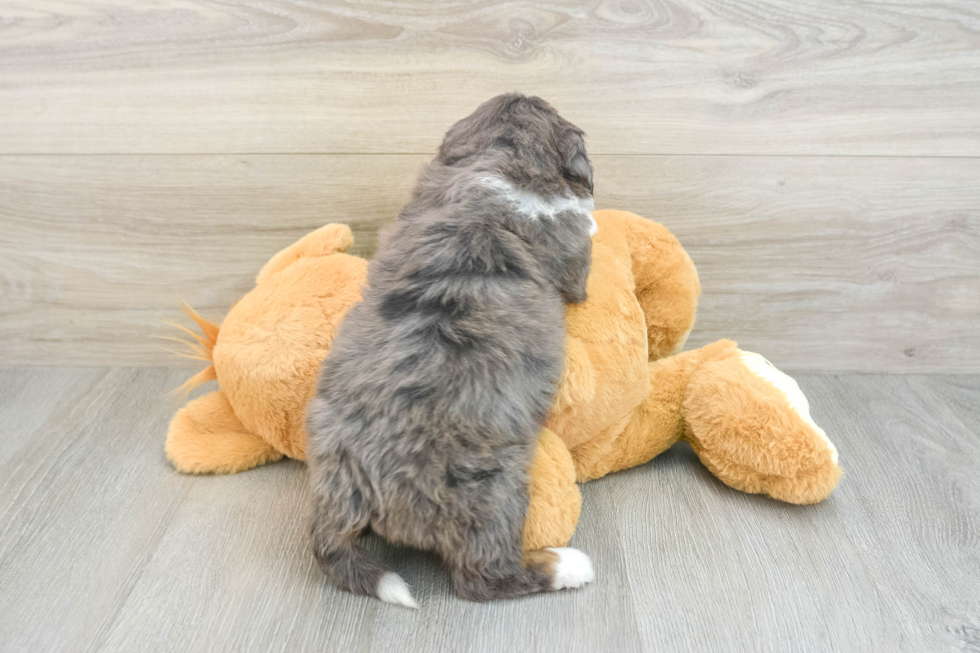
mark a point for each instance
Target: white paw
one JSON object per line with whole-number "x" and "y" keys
{"x": 573, "y": 569}
{"x": 392, "y": 589}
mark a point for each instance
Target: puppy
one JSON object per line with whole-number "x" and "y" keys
{"x": 429, "y": 406}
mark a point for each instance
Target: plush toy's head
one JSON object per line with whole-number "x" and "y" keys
{"x": 273, "y": 340}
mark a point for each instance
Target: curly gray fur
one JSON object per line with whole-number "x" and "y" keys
{"x": 429, "y": 406}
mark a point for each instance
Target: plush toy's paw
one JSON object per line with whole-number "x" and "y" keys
{"x": 750, "y": 425}
{"x": 573, "y": 569}
{"x": 206, "y": 437}
{"x": 555, "y": 500}
{"x": 787, "y": 385}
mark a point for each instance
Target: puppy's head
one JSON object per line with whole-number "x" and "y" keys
{"x": 528, "y": 142}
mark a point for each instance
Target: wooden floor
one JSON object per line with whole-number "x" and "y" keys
{"x": 104, "y": 547}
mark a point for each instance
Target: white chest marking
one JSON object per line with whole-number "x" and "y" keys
{"x": 534, "y": 206}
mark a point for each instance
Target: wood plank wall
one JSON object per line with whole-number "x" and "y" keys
{"x": 820, "y": 161}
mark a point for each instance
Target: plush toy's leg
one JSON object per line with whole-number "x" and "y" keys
{"x": 555, "y": 499}
{"x": 750, "y": 425}
{"x": 205, "y": 437}
{"x": 329, "y": 239}
{"x": 652, "y": 428}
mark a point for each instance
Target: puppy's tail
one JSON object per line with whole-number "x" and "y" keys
{"x": 347, "y": 564}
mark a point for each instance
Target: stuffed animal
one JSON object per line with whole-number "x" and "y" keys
{"x": 627, "y": 394}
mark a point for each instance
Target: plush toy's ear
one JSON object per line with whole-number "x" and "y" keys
{"x": 328, "y": 239}
{"x": 576, "y": 167}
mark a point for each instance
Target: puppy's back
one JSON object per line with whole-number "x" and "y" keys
{"x": 430, "y": 402}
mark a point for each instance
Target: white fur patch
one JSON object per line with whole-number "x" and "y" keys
{"x": 573, "y": 569}
{"x": 758, "y": 365}
{"x": 392, "y": 589}
{"x": 534, "y": 206}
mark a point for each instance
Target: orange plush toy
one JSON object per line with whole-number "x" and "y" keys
{"x": 627, "y": 394}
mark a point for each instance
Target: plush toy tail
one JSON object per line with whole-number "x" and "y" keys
{"x": 201, "y": 350}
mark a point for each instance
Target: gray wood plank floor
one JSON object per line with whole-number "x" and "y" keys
{"x": 104, "y": 547}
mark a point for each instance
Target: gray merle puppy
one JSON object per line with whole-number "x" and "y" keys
{"x": 429, "y": 406}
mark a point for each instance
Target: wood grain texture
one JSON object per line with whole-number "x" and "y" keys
{"x": 859, "y": 264}
{"x": 641, "y": 76}
{"x": 887, "y": 563}
{"x": 96, "y": 250}
{"x": 103, "y": 547}
{"x": 846, "y": 264}
{"x": 80, "y": 510}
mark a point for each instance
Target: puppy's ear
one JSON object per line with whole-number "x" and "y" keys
{"x": 575, "y": 166}
{"x": 456, "y": 145}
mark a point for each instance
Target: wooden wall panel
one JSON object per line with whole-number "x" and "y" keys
{"x": 897, "y": 77}
{"x": 841, "y": 263}
{"x": 861, "y": 264}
